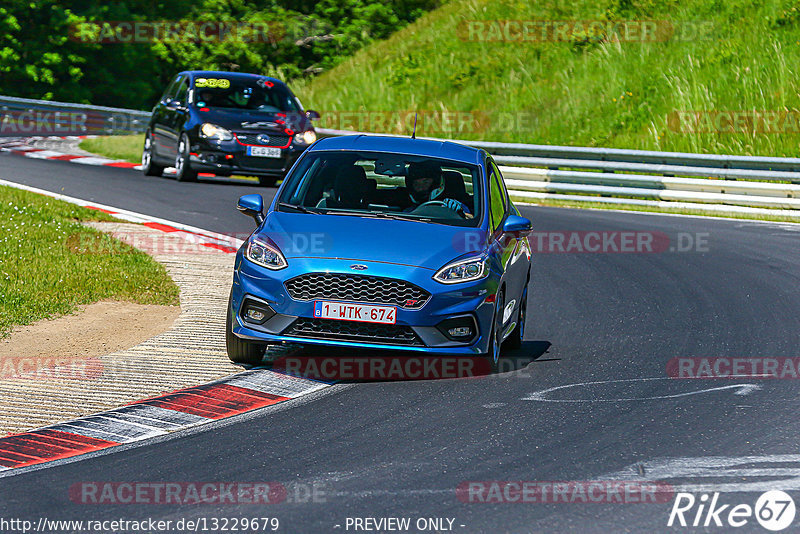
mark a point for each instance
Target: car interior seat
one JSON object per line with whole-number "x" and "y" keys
{"x": 351, "y": 189}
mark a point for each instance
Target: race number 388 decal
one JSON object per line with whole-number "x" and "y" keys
{"x": 221, "y": 83}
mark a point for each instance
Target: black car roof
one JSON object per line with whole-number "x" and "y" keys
{"x": 233, "y": 75}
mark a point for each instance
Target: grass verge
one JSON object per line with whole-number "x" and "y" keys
{"x": 45, "y": 270}
{"x": 125, "y": 147}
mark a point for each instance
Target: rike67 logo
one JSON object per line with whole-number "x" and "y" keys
{"x": 774, "y": 510}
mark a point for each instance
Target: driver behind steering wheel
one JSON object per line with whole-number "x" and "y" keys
{"x": 424, "y": 183}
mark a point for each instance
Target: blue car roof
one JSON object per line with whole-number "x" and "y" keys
{"x": 402, "y": 145}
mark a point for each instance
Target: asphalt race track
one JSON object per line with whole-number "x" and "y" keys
{"x": 400, "y": 449}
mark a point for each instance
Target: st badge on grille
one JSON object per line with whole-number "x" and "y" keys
{"x": 359, "y": 267}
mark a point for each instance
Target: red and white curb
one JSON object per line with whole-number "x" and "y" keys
{"x": 159, "y": 415}
{"x": 153, "y": 417}
{"x": 225, "y": 243}
{"x": 22, "y": 147}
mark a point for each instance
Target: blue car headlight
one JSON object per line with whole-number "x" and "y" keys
{"x": 265, "y": 255}
{"x": 467, "y": 270}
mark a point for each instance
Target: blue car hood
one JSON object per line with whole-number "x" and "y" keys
{"x": 426, "y": 245}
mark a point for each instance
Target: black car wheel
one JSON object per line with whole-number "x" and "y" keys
{"x": 183, "y": 169}
{"x": 148, "y": 167}
{"x": 240, "y": 351}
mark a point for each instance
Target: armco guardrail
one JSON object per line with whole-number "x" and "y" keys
{"x": 721, "y": 182}
{"x": 619, "y": 155}
{"x": 21, "y": 117}
{"x": 629, "y": 176}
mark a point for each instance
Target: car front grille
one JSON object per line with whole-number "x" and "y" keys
{"x": 357, "y": 288}
{"x": 384, "y": 334}
{"x": 275, "y": 139}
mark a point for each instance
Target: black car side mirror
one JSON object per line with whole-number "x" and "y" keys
{"x": 312, "y": 115}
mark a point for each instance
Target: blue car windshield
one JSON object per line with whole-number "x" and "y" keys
{"x": 372, "y": 184}
{"x": 243, "y": 93}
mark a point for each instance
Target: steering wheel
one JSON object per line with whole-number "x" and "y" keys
{"x": 443, "y": 205}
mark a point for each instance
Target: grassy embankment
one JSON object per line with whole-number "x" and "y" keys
{"x": 50, "y": 263}
{"x": 125, "y": 147}
{"x": 731, "y": 55}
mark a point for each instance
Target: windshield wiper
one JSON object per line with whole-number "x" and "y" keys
{"x": 380, "y": 215}
{"x": 401, "y": 217}
{"x": 297, "y": 207}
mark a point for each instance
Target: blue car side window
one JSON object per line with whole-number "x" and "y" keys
{"x": 496, "y": 205}
{"x": 502, "y": 186}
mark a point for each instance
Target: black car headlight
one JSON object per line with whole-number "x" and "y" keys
{"x": 305, "y": 138}
{"x": 463, "y": 271}
{"x": 265, "y": 255}
{"x": 214, "y": 132}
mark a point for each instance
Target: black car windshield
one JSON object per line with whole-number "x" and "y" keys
{"x": 371, "y": 184}
{"x": 243, "y": 93}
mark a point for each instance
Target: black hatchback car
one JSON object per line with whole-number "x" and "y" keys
{"x": 227, "y": 123}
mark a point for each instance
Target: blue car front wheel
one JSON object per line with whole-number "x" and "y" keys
{"x": 496, "y": 336}
{"x": 240, "y": 351}
{"x": 516, "y": 337}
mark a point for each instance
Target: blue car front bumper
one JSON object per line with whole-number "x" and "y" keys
{"x": 417, "y": 330}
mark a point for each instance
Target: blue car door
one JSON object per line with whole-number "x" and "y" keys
{"x": 504, "y": 245}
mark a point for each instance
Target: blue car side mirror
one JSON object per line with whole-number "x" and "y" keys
{"x": 516, "y": 225}
{"x": 252, "y": 206}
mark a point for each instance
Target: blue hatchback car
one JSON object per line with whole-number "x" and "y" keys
{"x": 384, "y": 243}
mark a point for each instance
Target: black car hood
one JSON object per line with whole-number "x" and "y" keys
{"x": 239, "y": 120}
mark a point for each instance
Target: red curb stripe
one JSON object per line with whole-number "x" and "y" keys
{"x": 35, "y": 442}
{"x": 65, "y": 157}
{"x": 18, "y": 450}
{"x": 26, "y": 445}
{"x": 122, "y": 164}
{"x": 67, "y": 437}
{"x": 14, "y": 459}
{"x": 215, "y": 401}
{"x": 159, "y": 226}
